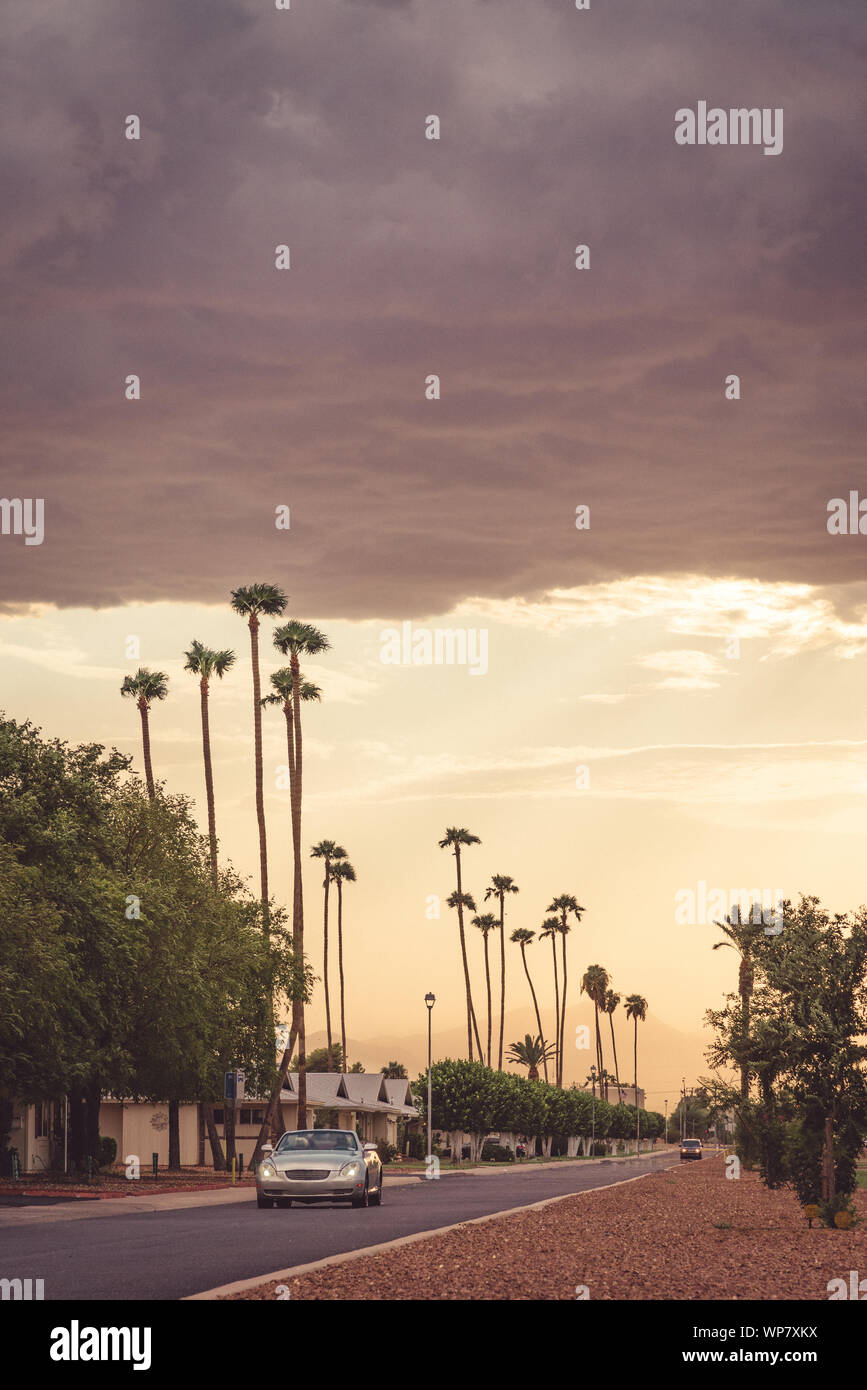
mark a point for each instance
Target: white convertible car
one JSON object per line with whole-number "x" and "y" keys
{"x": 320, "y": 1165}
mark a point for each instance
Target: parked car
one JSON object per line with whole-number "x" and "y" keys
{"x": 320, "y": 1165}
{"x": 690, "y": 1148}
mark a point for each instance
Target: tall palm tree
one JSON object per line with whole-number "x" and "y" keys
{"x": 636, "y": 1009}
{"x": 329, "y": 850}
{"x": 254, "y": 602}
{"x": 341, "y": 872}
{"x": 611, "y": 1002}
{"x": 282, "y": 695}
{"x": 522, "y": 937}
{"x": 455, "y": 839}
{"x": 206, "y": 664}
{"x": 565, "y": 905}
{"x": 595, "y": 985}
{"x": 486, "y": 923}
{"x": 530, "y": 1053}
{"x": 296, "y": 639}
{"x": 459, "y": 901}
{"x": 499, "y": 886}
{"x": 550, "y": 928}
{"x": 742, "y": 937}
{"x": 144, "y": 687}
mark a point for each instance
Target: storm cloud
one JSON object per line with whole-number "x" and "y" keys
{"x": 411, "y": 257}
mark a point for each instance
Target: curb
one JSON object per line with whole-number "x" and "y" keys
{"x": 296, "y": 1271}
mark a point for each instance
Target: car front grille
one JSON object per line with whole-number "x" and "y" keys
{"x": 307, "y": 1174}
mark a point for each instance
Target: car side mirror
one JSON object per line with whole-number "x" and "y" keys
{"x": 267, "y": 1150}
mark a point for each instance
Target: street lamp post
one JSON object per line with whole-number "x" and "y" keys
{"x": 430, "y": 1000}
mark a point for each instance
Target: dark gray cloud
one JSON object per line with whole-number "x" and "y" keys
{"x": 412, "y": 257}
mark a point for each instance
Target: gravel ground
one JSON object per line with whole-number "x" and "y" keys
{"x": 688, "y": 1233}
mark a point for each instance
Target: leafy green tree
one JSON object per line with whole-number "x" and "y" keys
{"x": 805, "y": 1047}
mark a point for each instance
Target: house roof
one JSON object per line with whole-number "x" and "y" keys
{"x": 368, "y": 1091}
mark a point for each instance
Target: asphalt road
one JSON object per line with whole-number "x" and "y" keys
{"x": 170, "y": 1254}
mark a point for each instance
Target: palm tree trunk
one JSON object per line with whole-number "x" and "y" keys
{"x": 274, "y": 1103}
{"x": 563, "y": 1008}
{"x": 257, "y": 749}
{"x": 616, "y": 1068}
{"x": 745, "y": 984}
{"x": 488, "y": 983}
{"x": 635, "y": 1062}
{"x": 295, "y": 792}
{"x": 340, "y": 972}
{"x": 330, "y": 1063}
{"x": 556, "y": 1014}
{"x": 146, "y": 748}
{"x": 599, "y": 1052}
{"x": 209, "y": 777}
{"x": 502, "y": 978}
{"x": 471, "y": 1013}
{"x": 535, "y": 1004}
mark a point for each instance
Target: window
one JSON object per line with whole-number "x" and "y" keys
{"x": 251, "y": 1115}
{"x": 42, "y": 1119}
{"x": 219, "y": 1116}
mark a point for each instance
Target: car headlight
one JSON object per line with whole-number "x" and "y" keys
{"x": 350, "y": 1170}
{"x": 267, "y": 1171}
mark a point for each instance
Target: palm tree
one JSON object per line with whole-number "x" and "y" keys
{"x": 530, "y": 1053}
{"x": 328, "y": 850}
{"x": 564, "y": 905}
{"x": 205, "y": 664}
{"x": 341, "y": 872}
{"x": 636, "y": 1009}
{"x": 522, "y": 937}
{"x": 487, "y": 923}
{"x": 296, "y": 639}
{"x": 455, "y": 838}
{"x": 550, "y": 927}
{"x": 610, "y": 1004}
{"x": 254, "y": 602}
{"x": 595, "y": 984}
{"x": 742, "y": 937}
{"x": 499, "y": 886}
{"x": 394, "y": 1071}
{"x": 143, "y": 687}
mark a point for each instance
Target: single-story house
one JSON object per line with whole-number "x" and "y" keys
{"x": 367, "y": 1102}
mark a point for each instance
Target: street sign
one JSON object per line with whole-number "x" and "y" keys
{"x": 234, "y": 1085}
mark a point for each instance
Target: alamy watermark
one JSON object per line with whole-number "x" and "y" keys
{"x": 736, "y": 126}
{"x": 23, "y": 516}
{"x": 424, "y": 646}
{"x": 761, "y": 906}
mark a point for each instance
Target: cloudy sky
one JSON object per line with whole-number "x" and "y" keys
{"x": 612, "y": 648}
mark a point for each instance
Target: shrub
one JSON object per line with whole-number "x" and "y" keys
{"x": 106, "y": 1152}
{"x": 387, "y": 1152}
{"x": 496, "y": 1153}
{"x": 416, "y": 1145}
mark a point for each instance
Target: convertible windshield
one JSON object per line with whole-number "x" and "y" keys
{"x": 318, "y": 1141}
